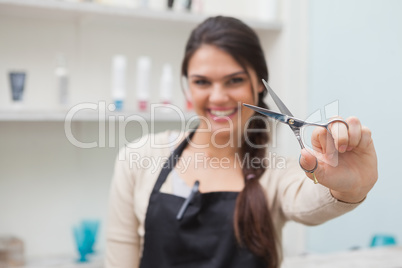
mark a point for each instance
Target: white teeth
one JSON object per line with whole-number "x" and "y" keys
{"x": 222, "y": 113}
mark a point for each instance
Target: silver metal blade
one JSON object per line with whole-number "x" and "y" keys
{"x": 280, "y": 117}
{"x": 282, "y": 107}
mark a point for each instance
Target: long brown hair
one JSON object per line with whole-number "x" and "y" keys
{"x": 252, "y": 220}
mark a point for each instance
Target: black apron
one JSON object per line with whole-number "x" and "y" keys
{"x": 204, "y": 237}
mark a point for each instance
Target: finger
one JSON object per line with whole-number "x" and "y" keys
{"x": 340, "y": 135}
{"x": 307, "y": 160}
{"x": 366, "y": 138}
{"x": 323, "y": 147}
{"x": 317, "y": 140}
{"x": 327, "y": 142}
{"x": 355, "y": 132}
{"x": 322, "y": 141}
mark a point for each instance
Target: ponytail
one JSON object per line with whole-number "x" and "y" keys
{"x": 252, "y": 220}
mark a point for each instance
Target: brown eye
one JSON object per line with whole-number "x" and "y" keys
{"x": 235, "y": 80}
{"x": 201, "y": 82}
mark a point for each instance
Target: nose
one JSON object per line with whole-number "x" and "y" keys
{"x": 218, "y": 94}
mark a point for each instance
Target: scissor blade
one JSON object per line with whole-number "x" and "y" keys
{"x": 282, "y": 107}
{"x": 280, "y": 117}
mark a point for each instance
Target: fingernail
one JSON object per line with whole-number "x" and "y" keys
{"x": 343, "y": 148}
{"x": 301, "y": 158}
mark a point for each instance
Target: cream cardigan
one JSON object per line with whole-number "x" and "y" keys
{"x": 291, "y": 196}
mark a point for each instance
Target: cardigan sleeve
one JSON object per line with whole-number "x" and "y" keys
{"x": 122, "y": 239}
{"x": 305, "y": 202}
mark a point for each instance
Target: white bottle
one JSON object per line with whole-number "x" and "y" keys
{"x": 143, "y": 76}
{"x": 166, "y": 86}
{"x": 120, "y": 3}
{"x": 144, "y": 4}
{"x": 268, "y": 10}
{"x": 62, "y": 82}
{"x": 157, "y": 4}
{"x": 119, "y": 66}
{"x": 197, "y": 7}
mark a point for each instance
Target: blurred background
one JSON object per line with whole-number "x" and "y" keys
{"x": 72, "y": 59}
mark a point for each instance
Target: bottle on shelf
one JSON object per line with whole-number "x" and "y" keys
{"x": 142, "y": 77}
{"x": 187, "y": 95}
{"x": 17, "y": 84}
{"x": 119, "y": 3}
{"x": 170, "y": 4}
{"x": 62, "y": 80}
{"x": 182, "y": 5}
{"x": 157, "y": 4}
{"x": 166, "y": 85}
{"x": 268, "y": 10}
{"x": 119, "y": 66}
{"x": 197, "y": 6}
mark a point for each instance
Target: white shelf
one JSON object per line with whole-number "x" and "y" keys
{"x": 59, "y": 9}
{"x": 92, "y": 116}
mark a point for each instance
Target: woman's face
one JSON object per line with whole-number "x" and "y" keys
{"x": 218, "y": 87}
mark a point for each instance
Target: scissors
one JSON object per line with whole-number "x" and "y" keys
{"x": 295, "y": 124}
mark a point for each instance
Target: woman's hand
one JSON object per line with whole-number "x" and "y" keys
{"x": 348, "y": 167}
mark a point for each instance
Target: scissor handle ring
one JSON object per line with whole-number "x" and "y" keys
{"x": 336, "y": 120}
{"x": 312, "y": 170}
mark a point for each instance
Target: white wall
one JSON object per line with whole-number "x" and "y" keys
{"x": 355, "y": 57}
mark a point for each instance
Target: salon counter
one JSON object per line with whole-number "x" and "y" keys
{"x": 381, "y": 257}
{"x": 64, "y": 261}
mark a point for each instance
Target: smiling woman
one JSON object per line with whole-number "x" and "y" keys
{"x": 216, "y": 202}
{"x": 218, "y": 86}
{"x": 221, "y": 65}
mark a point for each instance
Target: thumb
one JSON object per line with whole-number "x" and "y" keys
{"x": 307, "y": 160}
